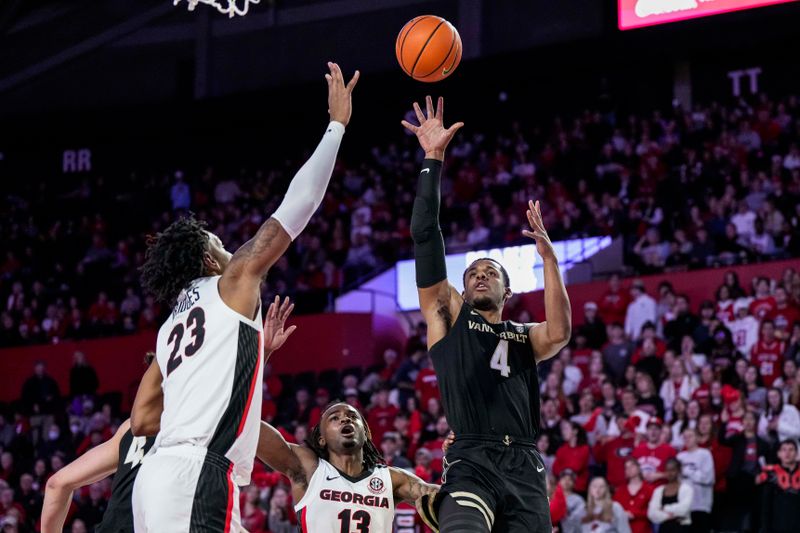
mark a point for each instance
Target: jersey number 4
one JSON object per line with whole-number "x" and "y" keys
{"x": 499, "y": 359}
{"x": 197, "y": 321}
{"x": 363, "y": 521}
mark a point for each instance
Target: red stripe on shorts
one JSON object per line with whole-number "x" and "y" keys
{"x": 252, "y": 387}
{"x": 229, "y": 513}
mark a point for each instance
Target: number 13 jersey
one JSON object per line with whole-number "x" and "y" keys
{"x": 210, "y": 358}
{"x": 487, "y": 377}
{"x": 336, "y": 503}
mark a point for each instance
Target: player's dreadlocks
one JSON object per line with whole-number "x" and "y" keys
{"x": 174, "y": 258}
{"x": 371, "y": 455}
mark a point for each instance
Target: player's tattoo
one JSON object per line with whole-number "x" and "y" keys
{"x": 261, "y": 242}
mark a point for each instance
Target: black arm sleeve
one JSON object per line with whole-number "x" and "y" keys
{"x": 425, "y": 229}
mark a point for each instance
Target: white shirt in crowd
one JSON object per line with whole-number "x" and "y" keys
{"x": 619, "y": 525}
{"x": 641, "y": 310}
{"x": 658, "y": 513}
{"x": 788, "y": 424}
{"x": 698, "y": 470}
{"x": 744, "y": 332}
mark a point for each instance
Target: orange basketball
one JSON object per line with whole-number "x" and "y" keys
{"x": 428, "y": 48}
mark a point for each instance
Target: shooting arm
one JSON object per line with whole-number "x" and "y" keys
{"x": 548, "y": 337}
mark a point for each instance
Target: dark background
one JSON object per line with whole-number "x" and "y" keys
{"x": 144, "y": 83}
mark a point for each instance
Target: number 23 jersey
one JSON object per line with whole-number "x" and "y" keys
{"x": 336, "y": 503}
{"x": 487, "y": 377}
{"x": 210, "y": 358}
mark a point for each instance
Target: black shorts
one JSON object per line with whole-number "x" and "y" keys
{"x": 508, "y": 481}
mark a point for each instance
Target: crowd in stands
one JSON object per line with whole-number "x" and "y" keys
{"x": 660, "y": 411}
{"x": 716, "y": 185}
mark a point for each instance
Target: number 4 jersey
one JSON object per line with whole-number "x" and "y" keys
{"x": 210, "y": 358}
{"x": 337, "y": 503}
{"x": 487, "y": 377}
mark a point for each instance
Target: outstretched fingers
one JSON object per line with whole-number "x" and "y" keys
{"x": 429, "y": 106}
{"x": 418, "y": 112}
{"x": 352, "y": 83}
{"x": 409, "y": 126}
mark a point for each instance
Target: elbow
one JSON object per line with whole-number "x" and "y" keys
{"x": 143, "y": 428}
{"x": 56, "y": 483}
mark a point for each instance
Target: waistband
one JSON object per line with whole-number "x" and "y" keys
{"x": 200, "y": 453}
{"x": 505, "y": 440}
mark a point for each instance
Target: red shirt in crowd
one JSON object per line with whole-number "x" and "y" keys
{"x": 381, "y": 420}
{"x": 636, "y": 504}
{"x": 760, "y": 307}
{"x": 784, "y": 317}
{"x": 722, "y": 456}
{"x": 613, "y": 306}
{"x": 427, "y": 386}
{"x": 577, "y": 459}
{"x": 653, "y": 459}
{"x": 581, "y": 358}
{"x": 768, "y": 358}
{"x": 558, "y": 506}
{"x": 614, "y": 453}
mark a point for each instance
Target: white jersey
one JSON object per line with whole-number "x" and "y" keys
{"x": 211, "y": 358}
{"x": 334, "y": 503}
{"x": 745, "y": 333}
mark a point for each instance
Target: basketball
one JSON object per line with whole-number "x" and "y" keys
{"x": 428, "y": 48}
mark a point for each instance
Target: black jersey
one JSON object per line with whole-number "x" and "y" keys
{"x": 487, "y": 377}
{"x": 118, "y": 517}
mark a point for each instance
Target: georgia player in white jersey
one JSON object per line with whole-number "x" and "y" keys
{"x": 209, "y": 351}
{"x": 338, "y": 481}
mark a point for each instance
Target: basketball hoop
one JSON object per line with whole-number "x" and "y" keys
{"x": 231, "y": 10}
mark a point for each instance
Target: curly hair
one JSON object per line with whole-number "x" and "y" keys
{"x": 371, "y": 455}
{"x": 174, "y": 258}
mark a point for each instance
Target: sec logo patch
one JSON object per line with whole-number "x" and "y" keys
{"x": 376, "y": 485}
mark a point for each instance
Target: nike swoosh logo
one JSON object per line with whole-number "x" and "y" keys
{"x": 474, "y": 313}
{"x": 540, "y": 469}
{"x": 424, "y": 170}
{"x": 332, "y": 478}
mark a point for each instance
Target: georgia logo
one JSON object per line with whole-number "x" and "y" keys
{"x": 376, "y": 485}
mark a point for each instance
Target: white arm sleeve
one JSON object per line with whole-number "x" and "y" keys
{"x": 308, "y": 186}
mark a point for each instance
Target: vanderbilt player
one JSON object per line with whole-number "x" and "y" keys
{"x": 122, "y": 454}
{"x": 494, "y": 478}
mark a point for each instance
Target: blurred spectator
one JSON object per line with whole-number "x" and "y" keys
{"x": 573, "y": 454}
{"x": 614, "y": 303}
{"x": 634, "y": 497}
{"x": 391, "y": 446}
{"x": 602, "y": 514}
{"x": 576, "y": 505}
{"x": 697, "y": 467}
{"x": 671, "y": 503}
{"x": 281, "y": 515}
{"x": 180, "y": 195}
{"x": 652, "y": 455}
{"x": 641, "y": 310}
{"x": 40, "y": 393}
{"x": 780, "y": 510}
{"x": 82, "y": 377}
{"x": 593, "y": 327}
{"x": 779, "y": 421}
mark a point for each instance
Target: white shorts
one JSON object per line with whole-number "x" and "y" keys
{"x": 183, "y": 489}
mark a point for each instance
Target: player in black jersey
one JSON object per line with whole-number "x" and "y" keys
{"x": 122, "y": 454}
{"x": 494, "y": 478}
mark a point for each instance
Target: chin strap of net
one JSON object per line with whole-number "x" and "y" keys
{"x": 232, "y": 9}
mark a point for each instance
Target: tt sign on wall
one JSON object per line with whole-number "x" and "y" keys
{"x": 638, "y": 13}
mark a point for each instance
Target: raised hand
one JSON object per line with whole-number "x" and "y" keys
{"x": 274, "y": 333}
{"x": 543, "y": 245}
{"x": 340, "y": 105}
{"x": 432, "y": 135}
